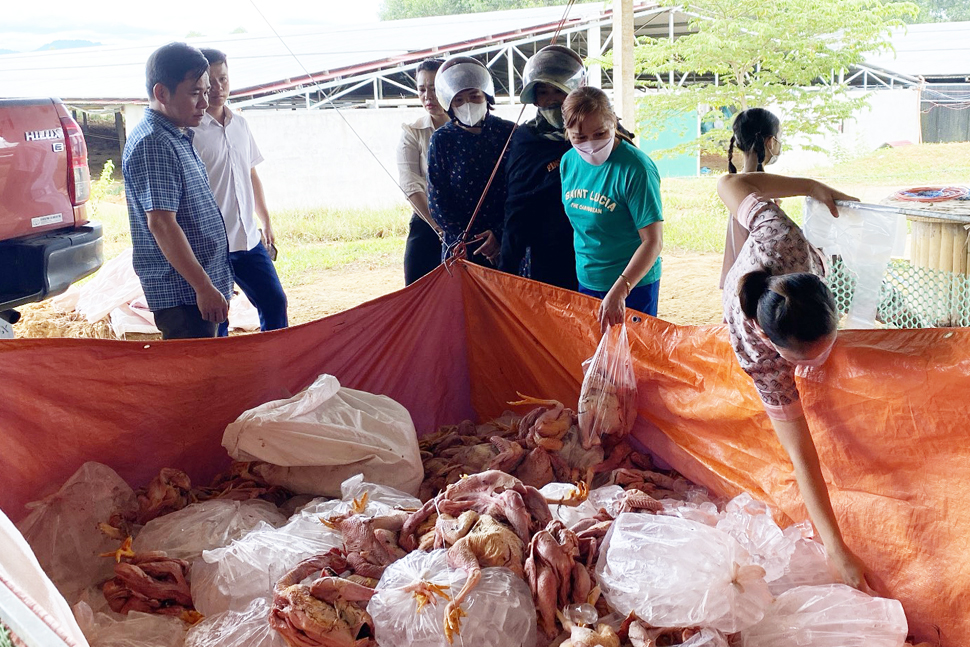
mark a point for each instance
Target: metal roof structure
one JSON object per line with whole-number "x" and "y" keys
{"x": 355, "y": 64}
{"x": 935, "y": 52}
{"x": 372, "y": 64}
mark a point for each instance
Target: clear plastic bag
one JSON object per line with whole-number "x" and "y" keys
{"x": 229, "y": 578}
{"x": 246, "y": 628}
{"x": 706, "y": 638}
{"x": 134, "y": 630}
{"x": 866, "y": 236}
{"x": 63, "y": 529}
{"x": 499, "y": 611}
{"x": 184, "y": 534}
{"x": 608, "y": 398}
{"x": 809, "y": 564}
{"x": 750, "y": 523}
{"x": 674, "y": 572}
{"x": 832, "y": 615}
{"x": 705, "y": 513}
{"x": 607, "y": 497}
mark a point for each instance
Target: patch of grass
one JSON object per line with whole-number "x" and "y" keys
{"x": 925, "y": 164}
{"x": 694, "y": 217}
{"x": 318, "y": 239}
{"x": 297, "y": 264}
{"x": 306, "y": 225}
{"x": 114, "y": 219}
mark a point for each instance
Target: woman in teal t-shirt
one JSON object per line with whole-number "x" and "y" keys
{"x": 611, "y": 192}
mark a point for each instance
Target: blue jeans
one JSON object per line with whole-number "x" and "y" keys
{"x": 256, "y": 276}
{"x": 642, "y": 299}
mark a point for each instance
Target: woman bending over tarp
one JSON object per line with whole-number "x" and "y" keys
{"x": 781, "y": 316}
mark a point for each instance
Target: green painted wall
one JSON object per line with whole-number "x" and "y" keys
{"x": 677, "y": 131}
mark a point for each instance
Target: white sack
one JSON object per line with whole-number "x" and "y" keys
{"x": 22, "y": 575}
{"x": 326, "y": 434}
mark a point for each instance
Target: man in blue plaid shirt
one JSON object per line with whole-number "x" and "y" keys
{"x": 180, "y": 248}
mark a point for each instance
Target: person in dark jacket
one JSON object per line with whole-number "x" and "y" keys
{"x": 461, "y": 158}
{"x": 535, "y": 220}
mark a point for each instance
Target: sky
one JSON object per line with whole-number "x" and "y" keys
{"x": 27, "y": 25}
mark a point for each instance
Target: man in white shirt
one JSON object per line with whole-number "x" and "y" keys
{"x": 230, "y": 154}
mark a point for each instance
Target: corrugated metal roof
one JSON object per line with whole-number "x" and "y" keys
{"x": 118, "y": 73}
{"x": 932, "y": 50}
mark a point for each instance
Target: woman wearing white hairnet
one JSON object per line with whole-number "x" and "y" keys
{"x": 462, "y": 156}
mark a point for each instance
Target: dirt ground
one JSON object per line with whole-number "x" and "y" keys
{"x": 688, "y": 296}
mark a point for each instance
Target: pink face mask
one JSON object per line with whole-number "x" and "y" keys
{"x": 819, "y": 359}
{"x": 596, "y": 151}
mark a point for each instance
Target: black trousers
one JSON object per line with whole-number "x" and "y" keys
{"x": 422, "y": 252}
{"x": 184, "y": 322}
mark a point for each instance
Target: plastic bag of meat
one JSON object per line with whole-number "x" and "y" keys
{"x": 325, "y": 434}
{"x": 184, "y": 534}
{"x": 809, "y": 564}
{"x": 674, "y": 572}
{"x": 706, "y": 638}
{"x": 229, "y": 578}
{"x": 832, "y": 615}
{"x": 408, "y": 608}
{"x": 64, "y": 529}
{"x": 608, "y": 398}
{"x": 607, "y": 497}
{"x": 749, "y": 521}
{"x": 246, "y": 628}
{"x": 380, "y": 499}
{"x": 133, "y": 630}
{"x": 705, "y": 513}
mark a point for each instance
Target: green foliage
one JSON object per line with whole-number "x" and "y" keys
{"x": 5, "y": 636}
{"x": 764, "y": 53}
{"x": 399, "y": 9}
{"x": 101, "y": 187}
{"x": 941, "y": 11}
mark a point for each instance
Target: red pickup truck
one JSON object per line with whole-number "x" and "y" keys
{"x": 46, "y": 241}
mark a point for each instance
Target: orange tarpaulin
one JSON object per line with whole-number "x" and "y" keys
{"x": 888, "y": 410}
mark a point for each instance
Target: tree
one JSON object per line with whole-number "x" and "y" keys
{"x": 788, "y": 53}
{"x": 941, "y": 11}
{"x": 398, "y": 9}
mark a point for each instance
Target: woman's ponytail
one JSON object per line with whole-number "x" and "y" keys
{"x": 731, "y": 167}
{"x": 752, "y": 128}
{"x": 751, "y": 288}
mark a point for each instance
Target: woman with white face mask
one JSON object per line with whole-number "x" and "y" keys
{"x": 757, "y": 134}
{"x": 611, "y": 192}
{"x": 462, "y": 156}
{"x": 781, "y": 318}
{"x": 534, "y": 215}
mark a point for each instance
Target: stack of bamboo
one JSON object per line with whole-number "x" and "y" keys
{"x": 940, "y": 233}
